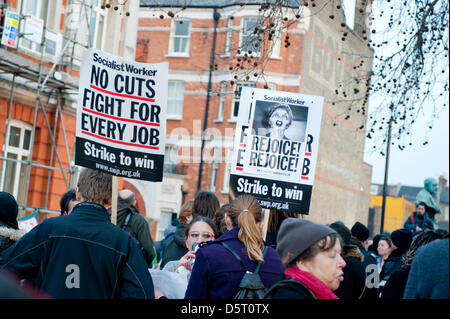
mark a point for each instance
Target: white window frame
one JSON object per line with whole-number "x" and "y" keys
{"x": 19, "y": 151}
{"x": 173, "y": 29}
{"x": 236, "y": 98}
{"x": 170, "y": 156}
{"x": 227, "y": 171}
{"x": 97, "y": 13}
{"x": 214, "y": 169}
{"x": 35, "y": 47}
{"x": 223, "y": 92}
{"x": 275, "y": 43}
{"x": 229, "y": 37}
{"x": 176, "y": 98}
{"x": 243, "y": 34}
{"x": 161, "y": 228}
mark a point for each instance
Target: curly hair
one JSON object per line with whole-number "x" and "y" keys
{"x": 420, "y": 240}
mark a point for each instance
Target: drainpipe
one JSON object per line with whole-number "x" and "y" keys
{"x": 216, "y": 17}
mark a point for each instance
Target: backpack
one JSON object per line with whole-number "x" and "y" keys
{"x": 126, "y": 227}
{"x": 251, "y": 285}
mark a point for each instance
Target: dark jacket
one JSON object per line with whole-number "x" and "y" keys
{"x": 139, "y": 226}
{"x": 288, "y": 288}
{"x": 217, "y": 273}
{"x": 354, "y": 282}
{"x": 391, "y": 264}
{"x": 173, "y": 247}
{"x": 395, "y": 285}
{"x": 8, "y": 236}
{"x": 424, "y": 222}
{"x": 81, "y": 255}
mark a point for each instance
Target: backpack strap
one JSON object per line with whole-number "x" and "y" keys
{"x": 127, "y": 220}
{"x": 258, "y": 266}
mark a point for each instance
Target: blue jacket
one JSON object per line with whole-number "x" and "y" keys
{"x": 81, "y": 255}
{"x": 216, "y": 273}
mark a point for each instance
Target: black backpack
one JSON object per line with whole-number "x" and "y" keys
{"x": 126, "y": 227}
{"x": 251, "y": 285}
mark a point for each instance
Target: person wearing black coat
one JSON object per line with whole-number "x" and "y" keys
{"x": 395, "y": 285}
{"x": 401, "y": 238}
{"x": 354, "y": 274}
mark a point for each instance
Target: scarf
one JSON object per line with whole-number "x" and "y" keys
{"x": 317, "y": 287}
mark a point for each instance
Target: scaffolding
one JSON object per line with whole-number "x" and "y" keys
{"x": 53, "y": 82}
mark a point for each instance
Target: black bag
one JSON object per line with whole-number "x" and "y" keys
{"x": 285, "y": 282}
{"x": 251, "y": 285}
{"x": 126, "y": 227}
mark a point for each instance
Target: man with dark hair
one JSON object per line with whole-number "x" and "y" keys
{"x": 129, "y": 219}
{"x": 68, "y": 201}
{"x": 82, "y": 255}
{"x": 419, "y": 221}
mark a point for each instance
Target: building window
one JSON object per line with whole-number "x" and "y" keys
{"x": 13, "y": 174}
{"x": 170, "y": 159}
{"x": 226, "y": 176}
{"x": 98, "y": 26}
{"x": 237, "y": 98}
{"x": 214, "y": 169}
{"x": 229, "y": 36}
{"x": 223, "y": 91}
{"x": 250, "y": 43}
{"x": 165, "y": 220}
{"x": 37, "y": 9}
{"x": 175, "y": 100}
{"x": 275, "y": 43}
{"x": 180, "y": 38}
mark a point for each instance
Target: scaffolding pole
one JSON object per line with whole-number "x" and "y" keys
{"x": 43, "y": 81}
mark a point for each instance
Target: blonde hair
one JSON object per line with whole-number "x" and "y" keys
{"x": 246, "y": 212}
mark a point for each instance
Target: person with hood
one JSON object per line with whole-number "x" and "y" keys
{"x": 395, "y": 285}
{"x": 311, "y": 254}
{"x": 352, "y": 287}
{"x": 401, "y": 240}
{"x": 9, "y": 228}
{"x": 220, "y": 265}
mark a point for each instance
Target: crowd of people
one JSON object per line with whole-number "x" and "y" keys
{"x": 218, "y": 252}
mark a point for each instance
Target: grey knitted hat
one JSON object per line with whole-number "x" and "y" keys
{"x": 297, "y": 235}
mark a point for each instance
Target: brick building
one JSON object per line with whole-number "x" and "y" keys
{"x": 317, "y": 62}
{"x": 39, "y": 68}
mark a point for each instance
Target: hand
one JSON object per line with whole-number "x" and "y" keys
{"x": 184, "y": 261}
{"x": 418, "y": 229}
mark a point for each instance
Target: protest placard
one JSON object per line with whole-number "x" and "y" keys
{"x": 275, "y": 148}
{"x": 121, "y": 116}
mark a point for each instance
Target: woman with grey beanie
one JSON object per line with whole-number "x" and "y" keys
{"x": 311, "y": 254}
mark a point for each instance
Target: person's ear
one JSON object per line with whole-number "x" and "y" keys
{"x": 78, "y": 195}
{"x": 228, "y": 222}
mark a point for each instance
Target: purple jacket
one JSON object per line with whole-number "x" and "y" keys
{"x": 217, "y": 273}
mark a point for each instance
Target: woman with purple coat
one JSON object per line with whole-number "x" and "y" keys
{"x": 217, "y": 273}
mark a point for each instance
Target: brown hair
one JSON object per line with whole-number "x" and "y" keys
{"x": 205, "y": 204}
{"x": 95, "y": 186}
{"x": 245, "y": 212}
{"x": 219, "y": 218}
{"x": 185, "y": 211}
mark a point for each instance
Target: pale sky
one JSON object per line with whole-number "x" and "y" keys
{"x": 415, "y": 163}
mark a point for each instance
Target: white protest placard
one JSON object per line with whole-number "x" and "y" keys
{"x": 34, "y": 28}
{"x": 275, "y": 148}
{"x": 121, "y": 116}
{"x": 10, "y": 29}
{"x": 27, "y": 223}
